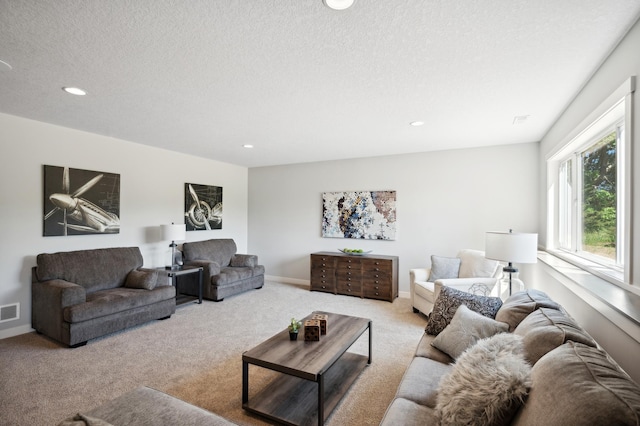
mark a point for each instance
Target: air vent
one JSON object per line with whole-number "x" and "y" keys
{"x": 9, "y": 312}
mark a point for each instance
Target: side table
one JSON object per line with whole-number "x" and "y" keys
{"x": 184, "y": 270}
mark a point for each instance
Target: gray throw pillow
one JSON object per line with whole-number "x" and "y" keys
{"x": 448, "y": 302}
{"x": 444, "y": 267}
{"x": 487, "y": 384}
{"x": 464, "y": 330}
{"x": 141, "y": 279}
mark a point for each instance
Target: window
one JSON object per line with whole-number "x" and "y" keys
{"x": 588, "y": 203}
{"x": 590, "y": 216}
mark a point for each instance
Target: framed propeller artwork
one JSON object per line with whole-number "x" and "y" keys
{"x": 80, "y": 202}
{"x": 202, "y": 207}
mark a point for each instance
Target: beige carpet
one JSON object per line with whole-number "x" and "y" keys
{"x": 196, "y": 356}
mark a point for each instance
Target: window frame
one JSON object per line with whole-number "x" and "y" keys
{"x": 596, "y": 125}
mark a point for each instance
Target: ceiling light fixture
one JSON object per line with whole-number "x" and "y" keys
{"x": 338, "y": 4}
{"x": 520, "y": 119}
{"x": 417, "y": 123}
{"x": 74, "y": 91}
{"x": 247, "y": 145}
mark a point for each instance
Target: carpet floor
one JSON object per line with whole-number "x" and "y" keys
{"x": 196, "y": 356}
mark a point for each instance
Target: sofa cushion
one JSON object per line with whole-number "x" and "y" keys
{"x": 448, "y": 301}
{"x": 519, "y": 305}
{"x": 576, "y": 384}
{"x": 474, "y": 265}
{"x": 487, "y": 385}
{"x": 230, "y": 275}
{"x": 408, "y": 413}
{"x": 146, "y": 406}
{"x": 465, "y": 329}
{"x": 94, "y": 270}
{"x": 111, "y": 301}
{"x": 216, "y": 250}
{"x": 444, "y": 267}
{"x": 421, "y": 379}
{"x": 545, "y": 329}
{"x": 145, "y": 280}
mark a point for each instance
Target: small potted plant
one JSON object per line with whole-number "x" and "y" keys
{"x": 294, "y": 327}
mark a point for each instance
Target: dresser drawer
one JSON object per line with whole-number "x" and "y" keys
{"x": 377, "y": 291}
{"x": 377, "y": 265}
{"x": 349, "y": 288}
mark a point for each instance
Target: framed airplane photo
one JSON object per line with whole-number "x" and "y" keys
{"x": 80, "y": 202}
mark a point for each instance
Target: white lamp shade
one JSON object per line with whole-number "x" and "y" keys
{"x": 511, "y": 247}
{"x": 174, "y": 232}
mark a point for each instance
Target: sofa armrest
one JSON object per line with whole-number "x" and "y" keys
{"x": 417, "y": 274}
{"x": 249, "y": 260}
{"x": 209, "y": 268}
{"x": 48, "y": 300}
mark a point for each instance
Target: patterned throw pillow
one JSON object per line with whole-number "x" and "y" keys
{"x": 444, "y": 267}
{"x": 448, "y": 302}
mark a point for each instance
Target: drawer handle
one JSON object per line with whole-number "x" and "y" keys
{"x": 377, "y": 294}
{"x": 324, "y": 286}
{"x": 324, "y": 264}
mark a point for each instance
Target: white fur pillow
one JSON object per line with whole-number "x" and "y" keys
{"x": 487, "y": 385}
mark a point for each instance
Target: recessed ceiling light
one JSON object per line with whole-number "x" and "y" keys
{"x": 338, "y": 4}
{"x": 247, "y": 145}
{"x": 74, "y": 91}
{"x": 417, "y": 123}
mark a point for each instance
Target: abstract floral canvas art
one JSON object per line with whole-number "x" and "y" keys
{"x": 369, "y": 215}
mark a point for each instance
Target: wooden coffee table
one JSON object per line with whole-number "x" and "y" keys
{"x": 316, "y": 375}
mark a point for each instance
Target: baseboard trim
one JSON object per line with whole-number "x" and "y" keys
{"x": 15, "y": 331}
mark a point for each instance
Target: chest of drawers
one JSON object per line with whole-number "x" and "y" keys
{"x": 370, "y": 276}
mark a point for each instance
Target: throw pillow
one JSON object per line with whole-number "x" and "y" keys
{"x": 487, "y": 384}
{"x": 475, "y": 265}
{"x": 141, "y": 279}
{"x": 465, "y": 329}
{"x": 448, "y": 301}
{"x": 444, "y": 267}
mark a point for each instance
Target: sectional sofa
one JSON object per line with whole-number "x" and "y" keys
{"x": 522, "y": 362}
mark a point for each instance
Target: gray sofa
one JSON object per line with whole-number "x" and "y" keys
{"x": 225, "y": 272}
{"x": 145, "y": 406}
{"x": 570, "y": 381}
{"x": 80, "y": 295}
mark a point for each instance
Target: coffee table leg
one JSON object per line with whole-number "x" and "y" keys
{"x": 200, "y": 286}
{"x": 320, "y": 399}
{"x": 245, "y": 382}
{"x": 370, "y": 340}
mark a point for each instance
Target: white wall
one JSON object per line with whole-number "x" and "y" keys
{"x": 151, "y": 194}
{"x": 446, "y": 201}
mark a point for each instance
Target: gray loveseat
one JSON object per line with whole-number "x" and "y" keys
{"x": 145, "y": 406}
{"x": 80, "y": 295}
{"x": 225, "y": 272}
{"x": 572, "y": 380}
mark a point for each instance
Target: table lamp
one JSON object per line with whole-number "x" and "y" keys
{"x": 511, "y": 247}
{"x": 174, "y": 233}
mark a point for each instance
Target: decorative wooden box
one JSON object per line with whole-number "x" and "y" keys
{"x": 312, "y": 330}
{"x": 323, "y": 318}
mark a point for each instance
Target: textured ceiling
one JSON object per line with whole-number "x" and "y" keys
{"x": 299, "y": 81}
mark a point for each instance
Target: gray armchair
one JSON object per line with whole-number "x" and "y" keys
{"x": 225, "y": 272}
